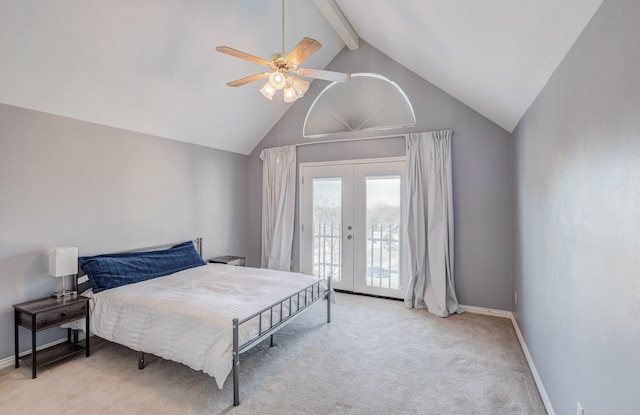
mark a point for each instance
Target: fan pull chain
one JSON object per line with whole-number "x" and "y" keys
{"x": 278, "y": 123}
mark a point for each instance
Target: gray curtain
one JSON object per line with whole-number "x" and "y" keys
{"x": 278, "y": 206}
{"x": 430, "y": 223}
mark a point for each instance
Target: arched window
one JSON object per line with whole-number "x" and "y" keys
{"x": 367, "y": 102}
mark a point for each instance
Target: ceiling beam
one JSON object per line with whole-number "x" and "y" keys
{"x": 331, "y": 11}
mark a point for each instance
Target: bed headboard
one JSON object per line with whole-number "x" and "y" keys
{"x": 82, "y": 283}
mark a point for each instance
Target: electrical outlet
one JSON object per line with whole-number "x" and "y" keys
{"x": 579, "y": 410}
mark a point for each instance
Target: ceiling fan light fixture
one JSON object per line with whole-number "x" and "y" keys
{"x": 300, "y": 86}
{"x": 290, "y": 94}
{"x": 268, "y": 90}
{"x": 277, "y": 80}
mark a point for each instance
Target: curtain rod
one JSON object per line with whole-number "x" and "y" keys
{"x": 349, "y": 139}
{"x": 339, "y": 140}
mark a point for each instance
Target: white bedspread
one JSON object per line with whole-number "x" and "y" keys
{"x": 187, "y": 316}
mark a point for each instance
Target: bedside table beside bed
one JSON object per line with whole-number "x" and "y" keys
{"x": 47, "y": 313}
{"x": 238, "y": 261}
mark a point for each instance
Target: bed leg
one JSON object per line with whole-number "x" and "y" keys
{"x": 329, "y": 301}
{"x": 236, "y": 364}
{"x": 140, "y": 360}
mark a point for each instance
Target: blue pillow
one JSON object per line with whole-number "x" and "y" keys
{"x": 113, "y": 270}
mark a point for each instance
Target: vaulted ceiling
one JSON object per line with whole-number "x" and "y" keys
{"x": 150, "y": 65}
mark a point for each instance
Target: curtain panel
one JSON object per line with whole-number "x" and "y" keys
{"x": 278, "y": 206}
{"x": 429, "y": 231}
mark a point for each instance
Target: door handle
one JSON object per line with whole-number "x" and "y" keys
{"x": 349, "y": 236}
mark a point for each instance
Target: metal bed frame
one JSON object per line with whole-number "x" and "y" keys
{"x": 304, "y": 298}
{"x": 301, "y": 305}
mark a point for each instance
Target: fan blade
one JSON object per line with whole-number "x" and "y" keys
{"x": 242, "y": 55}
{"x": 244, "y": 81}
{"x": 303, "y": 50}
{"x": 322, "y": 74}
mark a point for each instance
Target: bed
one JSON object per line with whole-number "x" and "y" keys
{"x": 166, "y": 301}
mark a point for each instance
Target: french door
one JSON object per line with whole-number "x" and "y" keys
{"x": 351, "y": 216}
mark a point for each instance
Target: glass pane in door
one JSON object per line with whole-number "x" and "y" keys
{"x": 327, "y": 225}
{"x": 383, "y": 231}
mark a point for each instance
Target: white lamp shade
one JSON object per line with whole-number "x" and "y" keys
{"x": 277, "y": 80}
{"x": 63, "y": 261}
{"x": 290, "y": 94}
{"x": 268, "y": 90}
{"x": 301, "y": 86}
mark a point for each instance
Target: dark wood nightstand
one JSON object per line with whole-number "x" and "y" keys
{"x": 46, "y": 313}
{"x": 229, "y": 260}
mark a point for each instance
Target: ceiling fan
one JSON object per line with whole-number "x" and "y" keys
{"x": 285, "y": 70}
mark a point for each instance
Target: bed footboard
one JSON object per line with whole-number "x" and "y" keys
{"x": 304, "y": 297}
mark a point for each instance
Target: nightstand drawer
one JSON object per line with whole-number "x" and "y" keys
{"x": 55, "y": 316}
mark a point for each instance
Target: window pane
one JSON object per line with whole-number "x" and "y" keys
{"x": 383, "y": 231}
{"x": 327, "y": 225}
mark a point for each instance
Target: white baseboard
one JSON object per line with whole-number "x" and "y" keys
{"x": 532, "y": 367}
{"x": 487, "y": 311}
{"x": 525, "y": 349}
{"x": 11, "y": 360}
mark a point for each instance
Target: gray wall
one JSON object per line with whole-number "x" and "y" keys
{"x": 481, "y": 174}
{"x": 65, "y": 182}
{"x": 577, "y": 220}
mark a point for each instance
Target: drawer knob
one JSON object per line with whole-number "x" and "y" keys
{"x": 63, "y": 314}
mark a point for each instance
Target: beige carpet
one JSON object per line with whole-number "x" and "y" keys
{"x": 376, "y": 357}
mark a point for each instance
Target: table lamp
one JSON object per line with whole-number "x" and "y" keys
{"x": 63, "y": 262}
